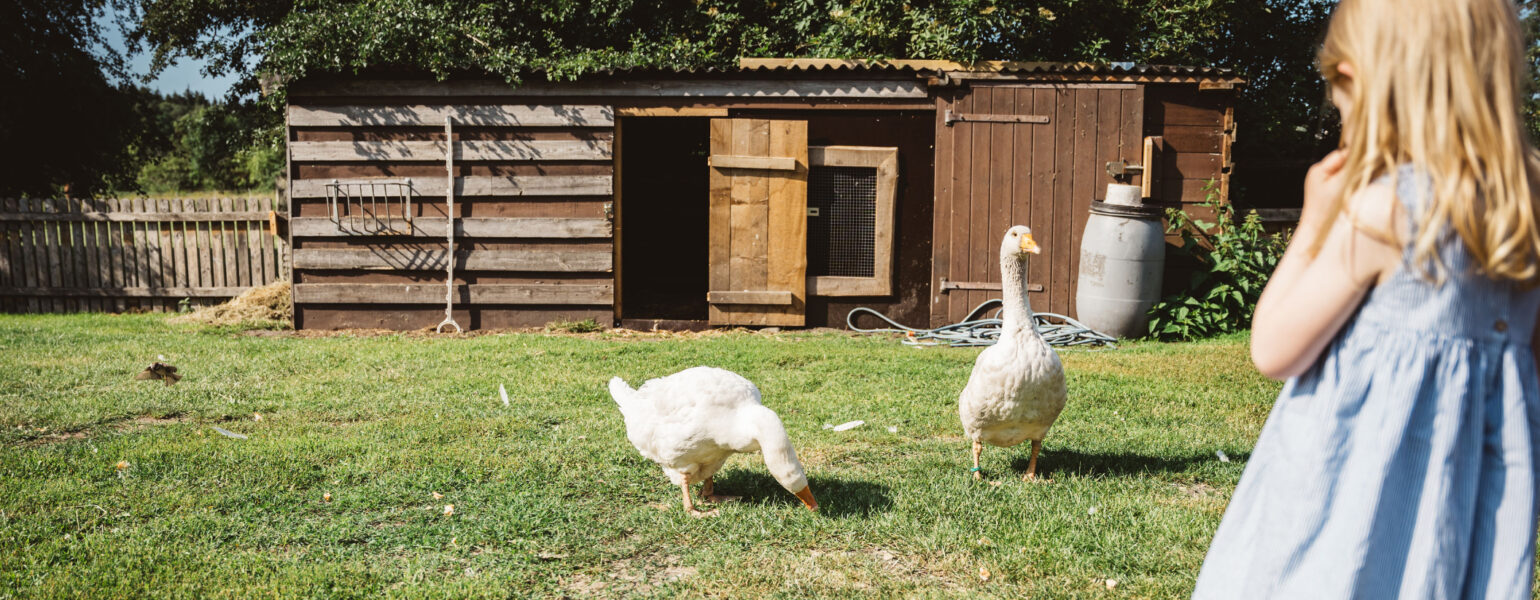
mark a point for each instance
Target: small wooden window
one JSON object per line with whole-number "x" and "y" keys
{"x": 851, "y": 192}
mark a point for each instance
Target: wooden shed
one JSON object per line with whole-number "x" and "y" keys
{"x": 784, "y": 192}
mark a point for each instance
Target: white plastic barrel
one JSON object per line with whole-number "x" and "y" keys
{"x": 1122, "y": 257}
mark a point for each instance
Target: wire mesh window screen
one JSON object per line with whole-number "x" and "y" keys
{"x": 841, "y": 238}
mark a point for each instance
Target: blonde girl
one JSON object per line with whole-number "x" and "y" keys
{"x": 1400, "y": 458}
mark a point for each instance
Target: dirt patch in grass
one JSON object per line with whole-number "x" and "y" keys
{"x": 1199, "y": 495}
{"x": 43, "y": 436}
{"x": 829, "y": 565}
{"x": 898, "y": 567}
{"x": 1197, "y": 490}
{"x": 548, "y": 331}
{"x": 148, "y": 421}
{"x": 53, "y": 438}
{"x": 541, "y": 331}
{"x": 629, "y": 576}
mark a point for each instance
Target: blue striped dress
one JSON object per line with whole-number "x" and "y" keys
{"x": 1403, "y": 463}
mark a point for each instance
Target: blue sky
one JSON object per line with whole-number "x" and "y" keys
{"x": 184, "y": 75}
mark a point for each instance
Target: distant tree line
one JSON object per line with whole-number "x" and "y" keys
{"x": 54, "y": 52}
{"x": 73, "y": 119}
{"x": 188, "y": 142}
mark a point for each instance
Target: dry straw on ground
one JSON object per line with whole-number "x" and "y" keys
{"x": 268, "y": 304}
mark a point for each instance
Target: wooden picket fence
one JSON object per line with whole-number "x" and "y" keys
{"x": 134, "y": 254}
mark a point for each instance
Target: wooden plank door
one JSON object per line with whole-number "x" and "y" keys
{"x": 758, "y": 237}
{"x": 1031, "y": 155}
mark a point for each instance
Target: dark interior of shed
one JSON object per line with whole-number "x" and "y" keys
{"x": 664, "y": 217}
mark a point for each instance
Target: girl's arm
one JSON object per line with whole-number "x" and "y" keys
{"x": 1308, "y": 299}
{"x": 1534, "y": 342}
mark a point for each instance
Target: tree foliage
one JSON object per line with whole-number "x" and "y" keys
{"x": 1530, "y": 11}
{"x": 75, "y": 119}
{"x": 1231, "y": 260}
{"x": 193, "y": 143}
{"x": 64, "y": 121}
{"x": 1281, "y": 111}
{"x": 1271, "y": 42}
{"x": 565, "y": 38}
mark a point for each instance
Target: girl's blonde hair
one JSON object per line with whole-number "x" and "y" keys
{"x": 1437, "y": 83}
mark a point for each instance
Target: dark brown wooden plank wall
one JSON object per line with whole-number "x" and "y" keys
{"x": 992, "y": 175}
{"x": 327, "y": 297}
{"x": 1198, "y": 132}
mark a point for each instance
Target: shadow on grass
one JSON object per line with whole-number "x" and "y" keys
{"x": 1070, "y": 462}
{"x": 837, "y": 497}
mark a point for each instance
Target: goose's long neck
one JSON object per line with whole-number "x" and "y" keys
{"x": 1017, "y": 314}
{"x": 780, "y": 458}
{"x": 775, "y": 445}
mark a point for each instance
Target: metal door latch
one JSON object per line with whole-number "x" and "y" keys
{"x": 1121, "y": 171}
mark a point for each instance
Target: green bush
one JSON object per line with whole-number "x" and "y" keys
{"x": 1232, "y": 261}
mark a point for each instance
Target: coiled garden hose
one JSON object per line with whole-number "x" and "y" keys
{"x": 976, "y": 330}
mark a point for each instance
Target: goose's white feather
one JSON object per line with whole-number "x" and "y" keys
{"x": 1015, "y": 393}
{"x": 1017, "y": 387}
{"x": 691, "y": 421}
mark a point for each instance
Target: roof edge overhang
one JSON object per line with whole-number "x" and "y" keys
{"x": 800, "y": 78}
{"x": 944, "y": 72}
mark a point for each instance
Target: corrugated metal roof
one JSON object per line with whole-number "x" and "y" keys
{"x": 825, "y": 67}
{"x": 989, "y": 66}
{"x": 833, "y": 66}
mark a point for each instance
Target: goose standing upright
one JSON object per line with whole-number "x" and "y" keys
{"x": 691, "y": 421}
{"x": 1017, "y": 389}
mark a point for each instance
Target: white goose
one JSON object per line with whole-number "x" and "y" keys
{"x": 691, "y": 421}
{"x": 1017, "y": 387}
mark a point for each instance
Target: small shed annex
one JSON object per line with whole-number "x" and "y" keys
{"x": 783, "y": 192}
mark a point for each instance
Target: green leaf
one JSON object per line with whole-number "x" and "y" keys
{"x": 1231, "y": 271}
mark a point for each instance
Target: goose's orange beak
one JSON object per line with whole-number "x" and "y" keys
{"x": 1029, "y": 245}
{"x": 806, "y": 495}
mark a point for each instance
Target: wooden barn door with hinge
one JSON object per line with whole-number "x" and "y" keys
{"x": 758, "y": 238}
{"x": 1033, "y": 155}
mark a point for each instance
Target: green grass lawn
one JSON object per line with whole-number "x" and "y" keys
{"x": 549, "y": 497}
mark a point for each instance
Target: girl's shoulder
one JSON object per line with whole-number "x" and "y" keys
{"x": 1378, "y": 210}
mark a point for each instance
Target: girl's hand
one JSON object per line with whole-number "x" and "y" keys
{"x": 1323, "y": 186}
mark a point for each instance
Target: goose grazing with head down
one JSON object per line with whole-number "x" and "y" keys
{"x": 1017, "y": 386}
{"x": 691, "y": 421}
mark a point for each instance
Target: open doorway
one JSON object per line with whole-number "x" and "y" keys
{"x": 664, "y": 218}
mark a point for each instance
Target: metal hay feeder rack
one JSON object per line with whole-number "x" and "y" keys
{"x": 355, "y": 206}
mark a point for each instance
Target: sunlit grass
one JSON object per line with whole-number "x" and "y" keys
{"x": 551, "y": 499}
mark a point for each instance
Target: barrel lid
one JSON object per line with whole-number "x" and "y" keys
{"x": 1123, "y": 210}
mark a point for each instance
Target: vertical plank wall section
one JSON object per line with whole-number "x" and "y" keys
{"x": 1198, "y": 127}
{"x": 532, "y": 202}
{"x": 997, "y": 172}
{"x": 133, "y": 254}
